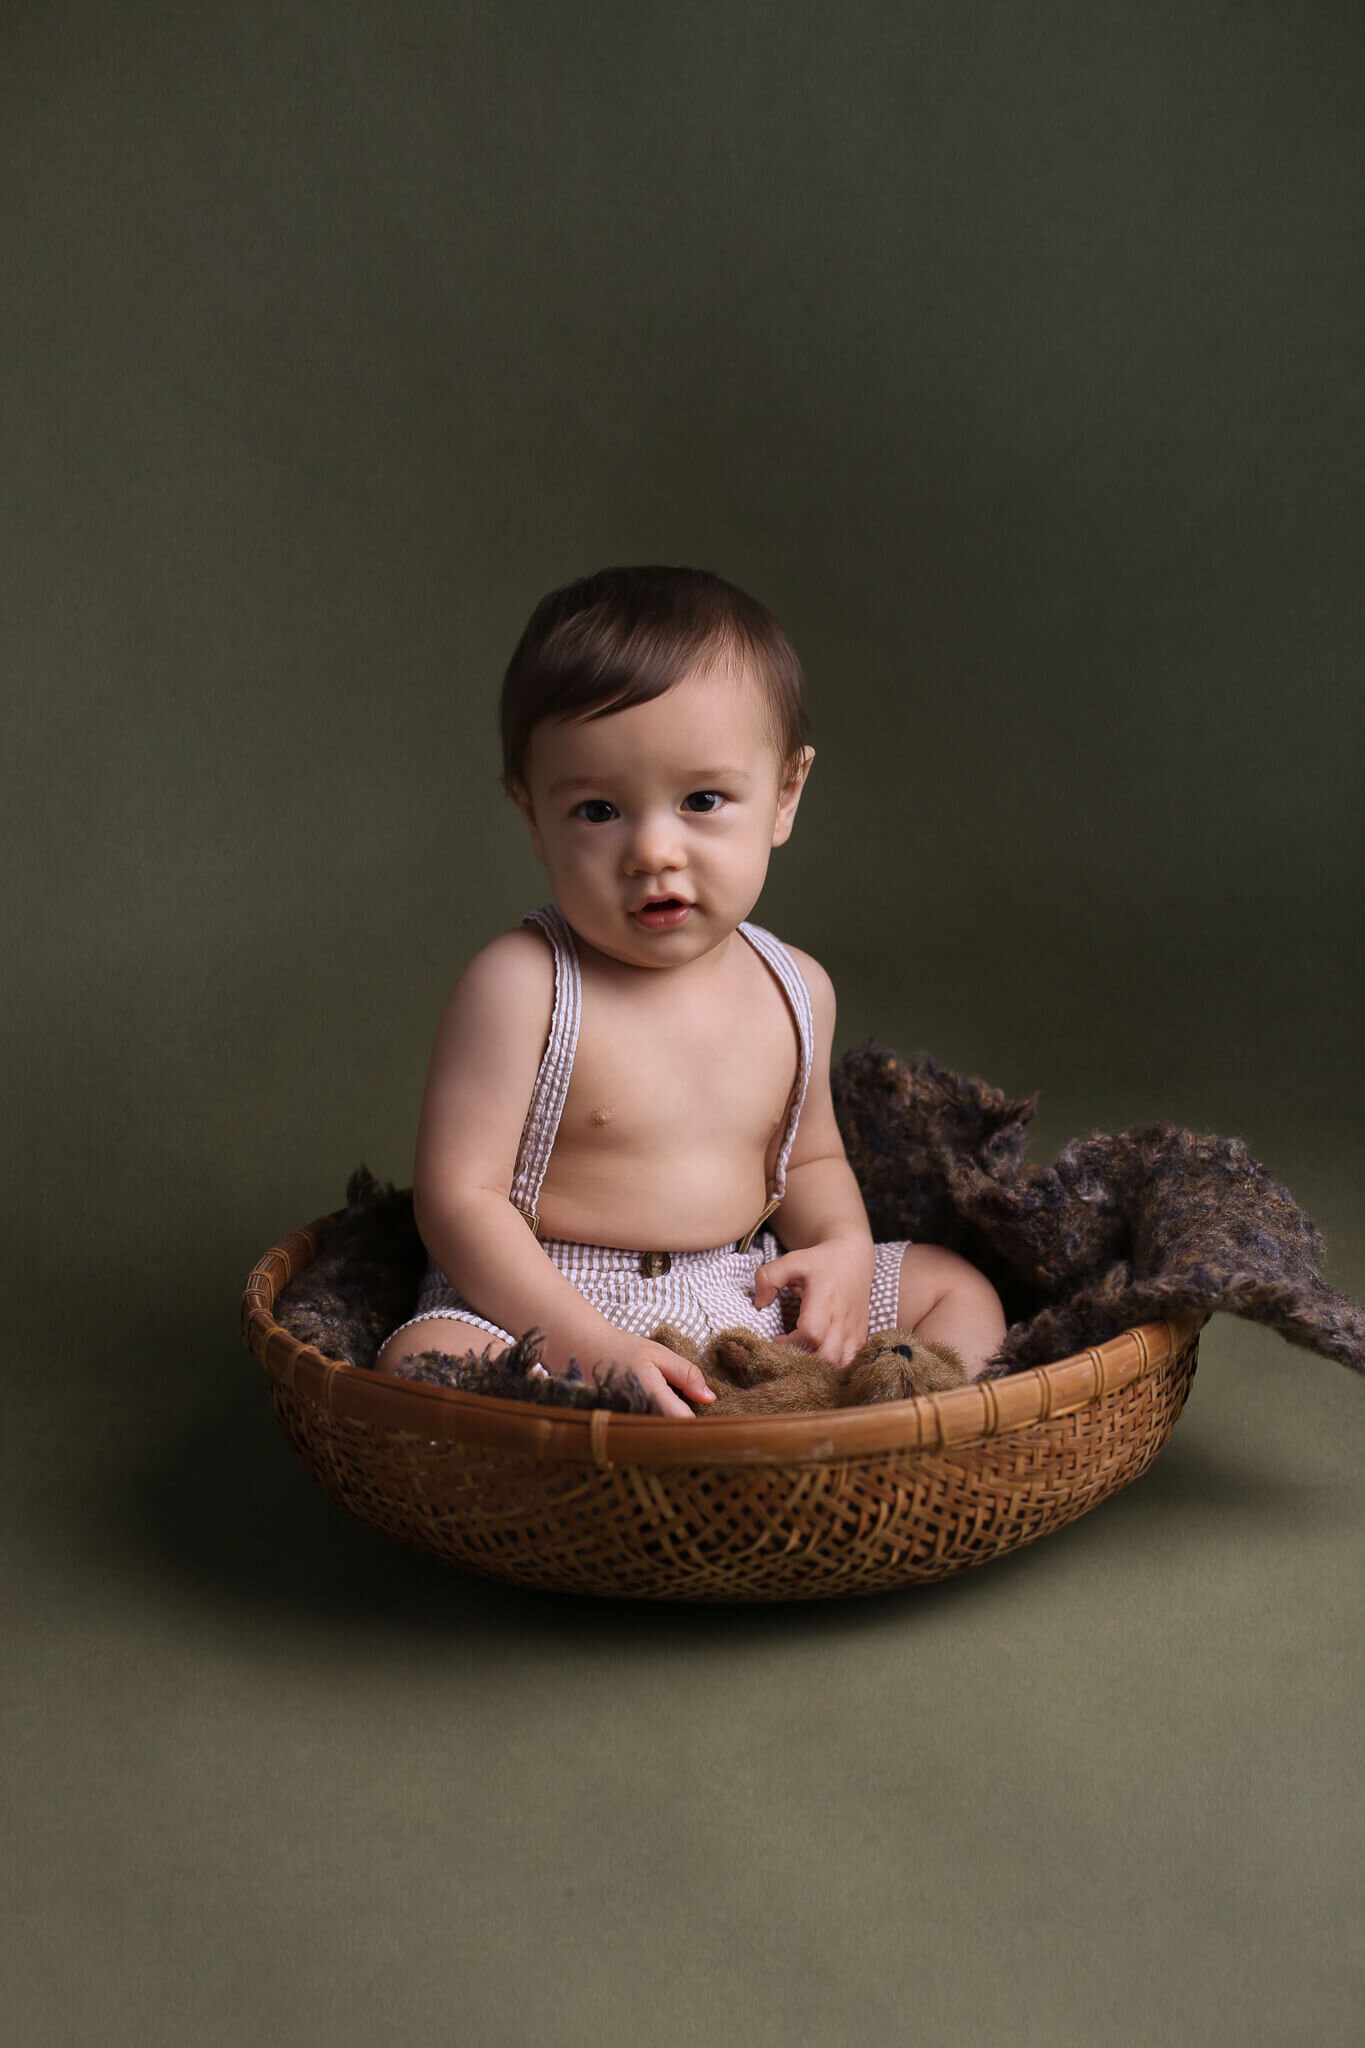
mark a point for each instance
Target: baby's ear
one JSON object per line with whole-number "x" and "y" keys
{"x": 521, "y": 797}
{"x": 790, "y": 795}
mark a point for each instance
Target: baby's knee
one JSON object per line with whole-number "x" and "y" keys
{"x": 434, "y": 1333}
{"x": 931, "y": 1275}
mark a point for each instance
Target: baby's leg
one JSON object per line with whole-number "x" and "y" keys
{"x": 944, "y": 1299}
{"x": 436, "y": 1333}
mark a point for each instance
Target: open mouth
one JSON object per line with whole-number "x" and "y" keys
{"x": 661, "y": 913}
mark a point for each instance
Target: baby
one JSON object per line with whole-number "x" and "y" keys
{"x": 675, "y": 1058}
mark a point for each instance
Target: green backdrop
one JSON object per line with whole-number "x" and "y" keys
{"x": 1013, "y": 356}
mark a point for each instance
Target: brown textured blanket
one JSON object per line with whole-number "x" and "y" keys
{"x": 1118, "y": 1230}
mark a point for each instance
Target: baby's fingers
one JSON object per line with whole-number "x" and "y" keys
{"x": 662, "y": 1395}
{"x": 770, "y": 1279}
{"x": 809, "y": 1332}
{"x": 688, "y": 1378}
{"x": 830, "y": 1337}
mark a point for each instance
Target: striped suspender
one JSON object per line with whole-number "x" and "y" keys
{"x": 552, "y": 1081}
{"x": 798, "y": 995}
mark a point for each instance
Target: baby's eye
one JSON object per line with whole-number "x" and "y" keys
{"x": 595, "y": 811}
{"x": 703, "y": 800}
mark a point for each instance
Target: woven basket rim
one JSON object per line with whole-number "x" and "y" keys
{"x": 962, "y": 1415}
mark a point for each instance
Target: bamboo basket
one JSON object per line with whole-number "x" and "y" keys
{"x": 784, "y": 1507}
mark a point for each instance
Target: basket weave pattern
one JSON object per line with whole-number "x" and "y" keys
{"x": 752, "y": 1508}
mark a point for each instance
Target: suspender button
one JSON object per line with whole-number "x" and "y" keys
{"x": 654, "y": 1264}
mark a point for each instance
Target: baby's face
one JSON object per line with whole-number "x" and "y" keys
{"x": 655, "y": 824}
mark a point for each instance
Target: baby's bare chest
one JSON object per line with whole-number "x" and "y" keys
{"x": 656, "y": 1076}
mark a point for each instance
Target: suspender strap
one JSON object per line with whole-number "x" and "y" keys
{"x": 552, "y": 1081}
{"x": 798, "y": 996}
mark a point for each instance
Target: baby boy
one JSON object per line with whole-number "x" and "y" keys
{"x": 627, "y": 1119}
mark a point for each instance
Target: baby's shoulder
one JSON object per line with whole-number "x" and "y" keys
{"x": 497, "y": 1015}
{"x": 513, "y": 974}
{"x": 517, "y": 961}
{"x": 818, "y": 983}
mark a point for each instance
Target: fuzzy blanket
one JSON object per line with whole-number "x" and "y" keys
{"x": 1118, "y": 1230}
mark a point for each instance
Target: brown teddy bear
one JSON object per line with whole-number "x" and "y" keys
{"x": 749, "y": 1375}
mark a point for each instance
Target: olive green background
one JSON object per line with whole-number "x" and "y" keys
{"x": 1013, "y": 355}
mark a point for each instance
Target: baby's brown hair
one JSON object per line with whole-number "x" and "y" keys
{"x": 624, "y": 636}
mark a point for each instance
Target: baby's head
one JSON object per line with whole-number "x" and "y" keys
{"x": 654, "y": 740}
{"x": 624, "y": 636}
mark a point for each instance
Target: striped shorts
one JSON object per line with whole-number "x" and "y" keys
{"x": 699, "y": 1293}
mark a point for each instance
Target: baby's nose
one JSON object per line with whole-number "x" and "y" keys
{"x": 654, "y": 845}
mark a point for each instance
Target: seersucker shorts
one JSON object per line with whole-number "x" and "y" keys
{"x": 699, "y": 1293}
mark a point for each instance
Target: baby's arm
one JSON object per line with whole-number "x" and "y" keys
{"x": 822, "y": 1220}
{"x": 483, "y": 1069}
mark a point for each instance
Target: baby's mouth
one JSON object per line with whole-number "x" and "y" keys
{"x": 661, "y": 913}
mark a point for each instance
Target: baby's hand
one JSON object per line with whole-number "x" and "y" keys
{"x": 659, "y": 1371}
{"x": 834, "y": 1280}
{"x": 662, "y": 1371}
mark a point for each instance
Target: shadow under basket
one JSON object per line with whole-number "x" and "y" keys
{"x": 783, "y": 1507}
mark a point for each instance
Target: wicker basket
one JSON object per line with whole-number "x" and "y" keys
{"x": 785, "y": 1507}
